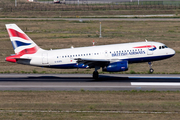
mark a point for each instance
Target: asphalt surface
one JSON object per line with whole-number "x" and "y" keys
{"x": 101, "y": 1}
{"x": 76, "y": 82}
{"x": 97, "y": 19}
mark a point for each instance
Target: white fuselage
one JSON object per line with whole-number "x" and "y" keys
{"x": 132, "y": 52}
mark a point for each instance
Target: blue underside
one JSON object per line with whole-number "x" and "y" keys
{"x": 65, "y": 66}
{"x": 132, "y": 60}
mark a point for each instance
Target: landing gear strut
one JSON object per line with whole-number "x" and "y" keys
{"x": 150, "y": 65}
{"x": 95, "y": 73}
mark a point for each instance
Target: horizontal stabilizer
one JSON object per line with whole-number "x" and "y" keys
{"x": 14, "y": 58}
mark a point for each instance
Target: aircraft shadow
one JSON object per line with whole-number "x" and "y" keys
{"x": 102, "y": 78}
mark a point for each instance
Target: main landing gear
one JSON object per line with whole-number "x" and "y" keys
{"x": 95, "y": 73}
{"x": 150, "y": 65}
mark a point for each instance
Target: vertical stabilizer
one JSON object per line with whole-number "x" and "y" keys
{"x": 22, "y": 44}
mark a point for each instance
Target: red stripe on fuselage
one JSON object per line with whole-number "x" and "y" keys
{"x": 14, "y": 33}
{"x": 145, "y": 46}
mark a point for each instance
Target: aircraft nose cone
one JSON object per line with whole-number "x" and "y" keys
{"x": 173, "y": 52}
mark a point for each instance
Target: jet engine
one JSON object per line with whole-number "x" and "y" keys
{"x": 116, "y": 66}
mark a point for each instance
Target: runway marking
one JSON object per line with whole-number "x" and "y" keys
{"x": 124, "y": 112}
{"x": 154, "y": 77}
{"x": 154, "y": 83}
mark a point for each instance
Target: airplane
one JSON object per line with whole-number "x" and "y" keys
{"x": 111, "y": 58}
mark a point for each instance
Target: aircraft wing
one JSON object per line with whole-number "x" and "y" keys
{"x": 95, "y": 62}
{"x": 90, "y": 59}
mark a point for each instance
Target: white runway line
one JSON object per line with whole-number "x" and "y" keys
{"x": 154, "y": 77}
{"x": 155, "y": 83}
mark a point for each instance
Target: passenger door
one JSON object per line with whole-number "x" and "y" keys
{"x": 45, "y": 58}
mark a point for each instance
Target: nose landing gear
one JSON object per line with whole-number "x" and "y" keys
{"x": 150, "y": 65}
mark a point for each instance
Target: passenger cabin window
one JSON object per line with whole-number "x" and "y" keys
{"x": 159, "y": 47}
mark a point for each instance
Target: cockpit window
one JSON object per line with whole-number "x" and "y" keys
{"x": 162, "y": 47}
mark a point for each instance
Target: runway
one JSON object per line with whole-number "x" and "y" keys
{"x": 101, "y": 1}
{"x": 77, "y": 82}
{"x": 99, "y": 19}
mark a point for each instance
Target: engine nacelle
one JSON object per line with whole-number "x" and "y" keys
{"x": 116, "y": 66}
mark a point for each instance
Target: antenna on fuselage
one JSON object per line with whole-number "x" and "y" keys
{"x": 93, "y": 42}
{"x": 146, "y": 40}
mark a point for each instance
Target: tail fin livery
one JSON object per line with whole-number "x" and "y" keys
{"x": 22, "y": 44}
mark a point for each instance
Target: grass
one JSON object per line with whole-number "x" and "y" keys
{"x": 144, "y": 101}
{"x": 79, "y": 14}
{"x": 34, "y": 10}
{"x": 88, "y": 116}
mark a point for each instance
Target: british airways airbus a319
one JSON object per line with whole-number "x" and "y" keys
{"x": 111, "y": 58}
